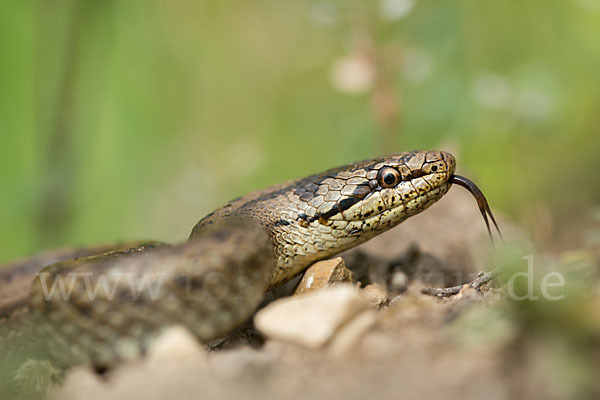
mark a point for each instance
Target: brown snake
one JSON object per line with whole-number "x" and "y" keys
{"x": 108, "y": 307}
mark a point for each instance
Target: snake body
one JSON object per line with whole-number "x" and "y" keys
{"x": 114, "y": 304}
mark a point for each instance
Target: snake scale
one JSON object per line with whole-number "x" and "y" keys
{"x": 108, "y": 307}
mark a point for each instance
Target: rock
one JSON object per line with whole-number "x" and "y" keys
{"x": 241, "y": 363}
{"x": 375, "y": 295}
{"x": 324, "y": 274}
{"x": 351, "y": 333}
{"x": 398, "y": 282}
{"x": 175, "y": 344}
{"x": 81, "y": 382}
{"x": 311, "y": 320}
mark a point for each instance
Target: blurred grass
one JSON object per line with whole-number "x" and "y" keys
{"x": 545, "y": 330}
{"x": 127, "y": 120}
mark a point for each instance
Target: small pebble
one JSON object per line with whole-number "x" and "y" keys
{"x": 323, "y": 274}
{"x": 311, "y": 320}
{"x": 175, "y": 344}
{"x": 398, "y": 282}
{"x": 375, "y": 295}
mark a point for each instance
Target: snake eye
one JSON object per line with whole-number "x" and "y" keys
{"x": 388, "y": 177}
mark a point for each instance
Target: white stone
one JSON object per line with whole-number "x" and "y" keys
{"x": 175, "y": 344}
{"x": 313, "y": 319}
{"x": 351, "y": 333}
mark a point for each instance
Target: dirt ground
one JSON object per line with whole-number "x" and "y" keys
{"x": 476, "y": 344}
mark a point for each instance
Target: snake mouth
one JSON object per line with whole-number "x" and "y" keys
{"x": 482, "y": 202}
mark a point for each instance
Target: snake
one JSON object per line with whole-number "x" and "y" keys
{"x": 108, "y": 307}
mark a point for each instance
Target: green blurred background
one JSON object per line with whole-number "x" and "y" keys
{"x": 132, "y": 119}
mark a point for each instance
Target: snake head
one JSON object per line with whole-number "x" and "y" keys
{"x": 331, "y": 212}
{"x": 376, "y": 194}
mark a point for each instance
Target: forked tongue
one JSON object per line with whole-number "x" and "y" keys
{"x": 484, "y": 207}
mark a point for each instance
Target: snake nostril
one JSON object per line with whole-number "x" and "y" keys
{"x": 434, "y": 168}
